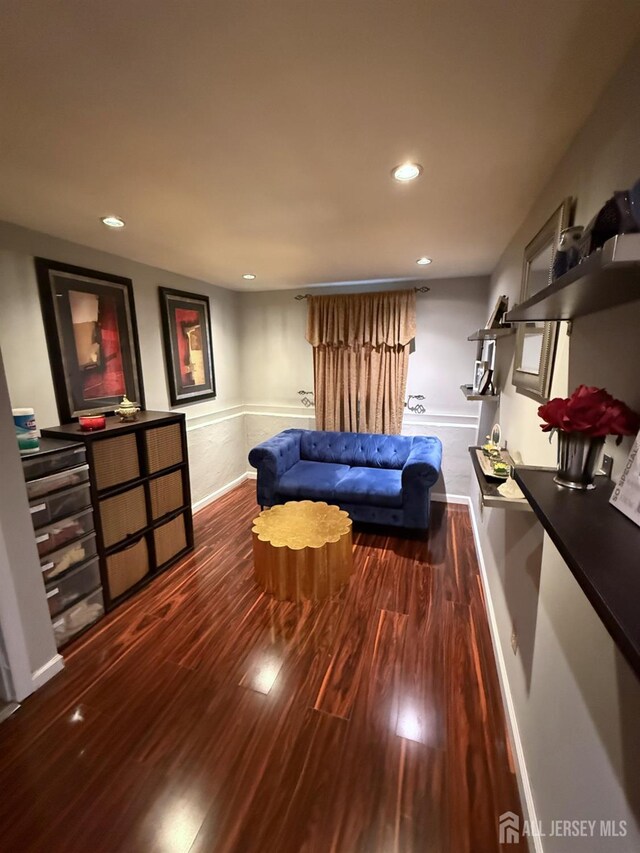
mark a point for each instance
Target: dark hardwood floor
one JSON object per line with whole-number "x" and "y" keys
{"x": 205, "y": 716}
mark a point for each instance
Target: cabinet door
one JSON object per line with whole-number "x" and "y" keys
{"x": 166, "y": 493}
{"x": 170, "y": 539}
{"x": 122, "y": 515}
{"x": 164, "y": 447}
{"x": 115, "y": 461}
{"x": 127, "y": 567}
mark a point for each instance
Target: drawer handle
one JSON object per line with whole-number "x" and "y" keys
{"x": 134, "y": 543}
{"x": 42, "y": 538}
{"x": 58, "y": 622}
{"x": 39, "y": 508}
{"x": 47, "y": 566}
{"x": 53, "y": 592}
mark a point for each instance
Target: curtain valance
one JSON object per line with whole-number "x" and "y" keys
{"x": 362, "y": 318}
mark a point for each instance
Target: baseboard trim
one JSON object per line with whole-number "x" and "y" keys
{"x": 439, "y": 497}
{"x": 47, "y": 671}
{"x": 203, "y": 502}
{"x": 526, "y": 794}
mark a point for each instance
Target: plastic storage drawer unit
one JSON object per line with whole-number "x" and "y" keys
{"x": 72, "y": 587}
{"x": 48, "y": 463}
{"x": 60, "y": 480}
{"x": 67, "y": 557}
{"x": 54, "y": 536}
{"x": 59, "y": 505}
{"x": 78, "y": 617}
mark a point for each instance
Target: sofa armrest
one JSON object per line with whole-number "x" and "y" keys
{"x": 419, "y": 474}
{"x": 271, "y": 459}
{"x": 422, "y": 467}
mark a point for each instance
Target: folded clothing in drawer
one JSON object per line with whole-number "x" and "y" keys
{"x": 59, "y": 505}
{"x": 54, "y": 536}
{"x": 68, "y": 556}
{"x": 72, "y": 587}
{"x": 77, "y": 617}
{"x": 55, "y": 482}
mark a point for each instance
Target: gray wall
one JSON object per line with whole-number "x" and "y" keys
{"x": 576, "y": 701}
{"x": 22, "y": 335}
{"x": 277, "y": 361}
{"x": 212, "y": 433}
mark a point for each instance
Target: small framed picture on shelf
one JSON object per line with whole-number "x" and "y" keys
{"x": 497, "y": 315}
{"x": 484, "y": 385}
{"x": 489, "y": 353}
{"x": 478, "y": 372}
{"x": 626, "y": 495}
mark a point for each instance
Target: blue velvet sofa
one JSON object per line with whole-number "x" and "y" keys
{"x": 382, "y": 479}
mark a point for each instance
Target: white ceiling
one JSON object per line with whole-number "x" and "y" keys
{"x": 259, "y": 135}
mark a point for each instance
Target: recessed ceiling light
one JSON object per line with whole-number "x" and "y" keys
{"x": 113, "y": 221}
{"x": 407, "y": 172}
{"x": 423, "y": 261}
{"x": 249, "y": 276}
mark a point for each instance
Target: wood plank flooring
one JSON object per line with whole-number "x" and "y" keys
{"x": 205, "y": 716}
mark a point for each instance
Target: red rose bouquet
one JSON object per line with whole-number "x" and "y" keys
{"x": 590, "y": 411}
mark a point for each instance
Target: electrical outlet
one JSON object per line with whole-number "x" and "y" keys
{"x": 607, "y": 465}
{"x": 514, "y": 641}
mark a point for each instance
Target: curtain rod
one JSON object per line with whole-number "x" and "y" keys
{"x": 307, "y": 295}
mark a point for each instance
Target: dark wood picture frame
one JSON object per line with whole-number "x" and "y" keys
{"x": 484, "y": 386}
{"x": 56, "y": 281}
{"x": 183, "y": 375}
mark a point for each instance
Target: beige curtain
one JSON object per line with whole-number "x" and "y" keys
{"x": 361, "y": 357}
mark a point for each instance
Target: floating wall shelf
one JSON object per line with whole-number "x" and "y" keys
{"x": 491, "y": 334}
{"x": 469, "y": 394}
{"x": 605, "y": 279}
{"x": 491, "y": 497}
{"x": 599, "y": 544}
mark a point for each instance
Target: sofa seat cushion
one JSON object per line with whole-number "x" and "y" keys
{"x": 312, "y": 481}
{"x": 372, "y": 486}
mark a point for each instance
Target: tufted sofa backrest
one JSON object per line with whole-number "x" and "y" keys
{"x": 354, "y": 448}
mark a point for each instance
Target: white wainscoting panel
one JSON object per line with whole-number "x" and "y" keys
{"x": 455, "y": 478}
{"x": 220, "y": 443}
{"x": 217, "y": 455}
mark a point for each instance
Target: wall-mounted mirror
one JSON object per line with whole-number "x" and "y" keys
{"x": 536, "y": 342}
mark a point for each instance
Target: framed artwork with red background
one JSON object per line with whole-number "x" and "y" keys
{"x": 186, "y": 327}
{"x": 92, "y": 339}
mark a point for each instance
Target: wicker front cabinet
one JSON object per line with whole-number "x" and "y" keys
{"x": 139, "y": 475}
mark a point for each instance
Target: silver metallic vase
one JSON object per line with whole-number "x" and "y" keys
{"x": 578, "y": 457}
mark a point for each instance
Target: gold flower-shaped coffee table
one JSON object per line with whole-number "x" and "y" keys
{"x": 302, "y": 550}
